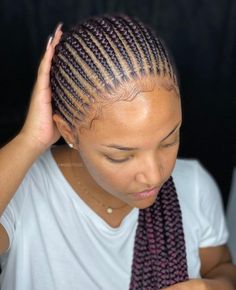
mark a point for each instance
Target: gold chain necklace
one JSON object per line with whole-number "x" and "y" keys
{"x": 107, "y": 208}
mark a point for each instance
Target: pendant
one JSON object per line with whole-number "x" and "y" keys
{"x": 109, "y": 210}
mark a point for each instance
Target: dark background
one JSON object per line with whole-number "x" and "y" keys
{"x": 201, "y": 35}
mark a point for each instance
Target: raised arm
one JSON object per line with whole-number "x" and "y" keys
{"x": 37, "y": 134}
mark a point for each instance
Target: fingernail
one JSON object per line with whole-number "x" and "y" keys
{"x": 58, "y": 27}
{"x": 49, "y": 41}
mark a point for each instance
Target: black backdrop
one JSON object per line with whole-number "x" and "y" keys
{"x": 201, "y": 35}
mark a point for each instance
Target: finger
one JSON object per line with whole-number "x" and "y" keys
{"x": 46, "y": 61}
{"x": 44, "y": 67}
{"x": 57, "y": 34}
{"x": 43, "y": 80}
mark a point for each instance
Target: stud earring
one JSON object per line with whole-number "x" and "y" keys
{"x": 70, "y": 145}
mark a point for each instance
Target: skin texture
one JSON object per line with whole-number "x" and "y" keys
{"x": 145, "y": 123}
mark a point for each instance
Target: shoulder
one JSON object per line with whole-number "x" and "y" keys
{"x": 49, "y": 162}
{"x": 43, "y": 171}
{"x": 192, "y": 179}
{"x": 198, "y": 193}
{"x": 42, "y": 167}
{"x": 201, "y": 203}
{"x": 188, "y": 168}
{"x": 42, "y": 179}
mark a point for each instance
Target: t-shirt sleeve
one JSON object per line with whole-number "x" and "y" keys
{"x": 12, "y": 212}
{"x": 211, "y": 216}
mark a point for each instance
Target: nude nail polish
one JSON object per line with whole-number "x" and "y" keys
{"x": 58, "y": 27}
{"x": 49, "y": 41}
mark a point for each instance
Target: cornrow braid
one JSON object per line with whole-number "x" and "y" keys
{"x": 140, "y": 37}
{"x": 104, "y": 43}
{"x": 67, "y": 54}
{"x": 115, "y": 38}
{"x": 151, "y": 40}
{"x": 131, "y": 42}
{"x": 75, "y": 42}
{"x": 88, "y": 40}
{"x": 95, "y": 57}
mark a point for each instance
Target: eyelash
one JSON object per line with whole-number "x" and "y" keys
{"x": 126, "y": 159}
{"x": 117, "y": 161}
{"x": 170, "y": 144}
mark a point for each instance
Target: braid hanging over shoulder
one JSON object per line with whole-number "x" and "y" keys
{"x": 159, "y": 258}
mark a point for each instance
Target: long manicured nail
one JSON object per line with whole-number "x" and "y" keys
{"x": 49, "y": 41}
{"x": 58, "y": 27}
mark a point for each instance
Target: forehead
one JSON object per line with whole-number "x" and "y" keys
{"x": 150, "y": 108}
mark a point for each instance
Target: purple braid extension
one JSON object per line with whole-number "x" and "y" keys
{"x": 159, "y": 259}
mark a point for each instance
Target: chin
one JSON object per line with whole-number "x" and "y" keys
{"x": 145, "y": 203}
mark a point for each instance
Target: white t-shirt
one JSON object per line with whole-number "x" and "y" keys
{"x": 58, "y": 242}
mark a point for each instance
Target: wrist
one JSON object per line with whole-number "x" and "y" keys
{"x": 31, "y": 144}
{"x": 222, "y": 284}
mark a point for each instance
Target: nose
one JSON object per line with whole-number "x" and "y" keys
{"x": 150, "y": 172}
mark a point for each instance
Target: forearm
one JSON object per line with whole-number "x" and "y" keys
{"x": 223, "y": 277}
{"x": 15, "y": 160}
{"x": 225, "y": 274}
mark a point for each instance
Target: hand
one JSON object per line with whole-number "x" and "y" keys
{"x": 39, "y": 126}
{"x": 202, "y": 284}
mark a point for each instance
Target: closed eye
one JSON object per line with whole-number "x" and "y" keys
{"x": 117, "y": 160}
{"x": 170, "y": 144}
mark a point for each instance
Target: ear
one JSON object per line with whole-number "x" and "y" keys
{"x": 65, "y": 129}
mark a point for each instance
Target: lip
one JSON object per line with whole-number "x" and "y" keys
{"x": 146, "y": 193}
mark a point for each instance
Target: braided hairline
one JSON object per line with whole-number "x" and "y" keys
{"x": 90, "y": 74}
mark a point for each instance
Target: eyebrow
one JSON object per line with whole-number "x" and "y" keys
{"x": 124, "y": 148}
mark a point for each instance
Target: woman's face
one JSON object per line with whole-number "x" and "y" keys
{"x": 133, "y": 146}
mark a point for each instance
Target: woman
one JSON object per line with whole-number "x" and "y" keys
{"x": 103, "y": 212}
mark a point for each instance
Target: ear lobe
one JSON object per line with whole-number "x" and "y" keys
{"x": 64, "y": 128}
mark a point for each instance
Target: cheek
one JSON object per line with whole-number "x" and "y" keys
{"x": 115, "y": 180}
{"x": 108, "y": 176}
{"x": 117, "y": 177}
{"x": 168, "y": 160}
